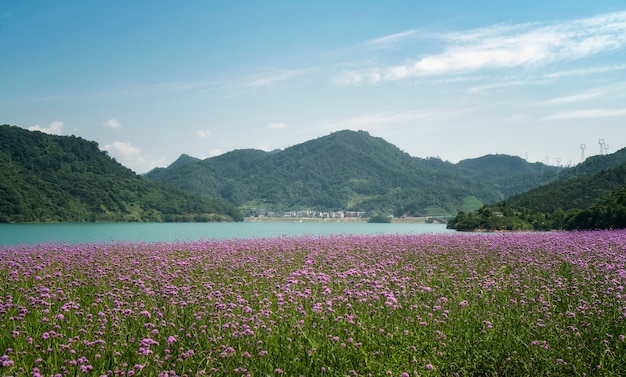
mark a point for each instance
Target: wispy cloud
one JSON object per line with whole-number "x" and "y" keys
{"x": 112, "y": 123}
{"x": 215, "y": 152}
{"x": 204, "y": 134}
{"x": 53, "y": 129}
{"x": 132, "y": 157}
{"x": 572, "y": 99}
{"x": 499, "y": 85}
{"x": 271, "y": 78}
{"x": 389, "y": 40}
{"x": 587, "y": 71}
{"x": 505, "y": 47}
{"x": 586, "y": 114}
{"x": 375, "y": 119}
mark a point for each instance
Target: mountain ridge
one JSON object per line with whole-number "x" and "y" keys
{"x": 51, "y": 178}
{"x": 591, "y": 195}
{"x": 351, "y": 170}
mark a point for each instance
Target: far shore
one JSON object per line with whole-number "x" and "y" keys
{"x": 395, "y": 220}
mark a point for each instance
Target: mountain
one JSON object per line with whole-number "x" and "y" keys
{"x": 352, "y": 170}
{"x": 607, "y": 213}
{"x": 590, "y": 195}
{"x": 508, "y": 175}
{"x": 184, "y": 159}
{"x": 572, "y": 192}
{"x": 48, "y": 178}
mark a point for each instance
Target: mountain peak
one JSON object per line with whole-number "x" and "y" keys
{"x": 184, "y": 159}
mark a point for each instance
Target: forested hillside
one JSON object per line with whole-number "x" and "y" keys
{"x": 587, "y": 196}
{"x": 509, "y": 175}
{"x": 351, "y": 170}
{"x": 47, "y": 178}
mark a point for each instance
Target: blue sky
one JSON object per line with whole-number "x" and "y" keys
{"x": 150, "y": 80}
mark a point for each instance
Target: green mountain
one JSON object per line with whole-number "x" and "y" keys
{"x": 587, "y": 196}
{"x": 508, "y": 175}
{"x": 184, "y": 159}
{"x": 608, "y": 213}
{"x": 572, "y": 192}
{"x": 351, "y": 170}
{"x": 47, "y": 178}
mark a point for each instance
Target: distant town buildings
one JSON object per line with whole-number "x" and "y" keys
{"x": 254, "y": 212}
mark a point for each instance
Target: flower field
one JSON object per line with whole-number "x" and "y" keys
{"x": 512, "y": 304}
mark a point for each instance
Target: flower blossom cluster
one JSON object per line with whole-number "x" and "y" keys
{"x": 399, "y": 305}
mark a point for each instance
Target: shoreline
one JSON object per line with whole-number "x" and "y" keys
{"x": 395, "y": 220}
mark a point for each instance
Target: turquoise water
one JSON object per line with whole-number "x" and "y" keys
{"x": 13, "y": 234}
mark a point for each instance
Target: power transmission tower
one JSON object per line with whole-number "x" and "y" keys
{"x": 601, "y": 142}
{"x": 582, "y": 152}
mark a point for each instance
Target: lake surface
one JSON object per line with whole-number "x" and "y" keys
{"x": 14, "y": 234}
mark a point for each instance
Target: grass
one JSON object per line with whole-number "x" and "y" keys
{"x": 508, "y": 304}
{"x": 471, "y": 203}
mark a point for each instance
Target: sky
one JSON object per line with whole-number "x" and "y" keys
{"x": 151, "y": 80}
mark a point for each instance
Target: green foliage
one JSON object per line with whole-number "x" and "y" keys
{"x": 507, "y": 175}
{"x": 47, "y": 178}
{"x": 608, "y": 213}
{"x": 589, "y": 196}
{"x": 490, "y": 219}
{"x": 573, "y": 191}
{"x": 471, "y": 203}
{"x": 382, "y": 219}
{"x": 351, "y": 170}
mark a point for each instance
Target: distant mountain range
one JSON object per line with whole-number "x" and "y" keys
{"x": 352, "y": 170}
{"x": 47, "y": 178}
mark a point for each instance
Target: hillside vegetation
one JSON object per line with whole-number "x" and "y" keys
{"x": 351, "y": 170}
{"x": 47, "y": 178}
{"x": 591, "y": 195}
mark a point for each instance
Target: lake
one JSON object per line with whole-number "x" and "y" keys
{"x": 13, "y": 234}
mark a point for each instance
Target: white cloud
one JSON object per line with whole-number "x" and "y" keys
{"x": 380, "y": 118}
{"x": 506, "y": 46}
{"x": 386, "y": 41}
{"x": 572, "y": 99}
{"x": 272, "y": 78}
{"x": 112, "y": 123}
{"x": 586, "y": 114}
{"x": 204, "y": 134}
{"x": 53, "y": 129}
{"x": 586, "y": 71}
{"x": 277, "y": 125}
{"x": 215, "y": 152}
{"x": 132, "y": 157}
{"x": 123, "y": 149}
{"x": 499, "y": 85}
